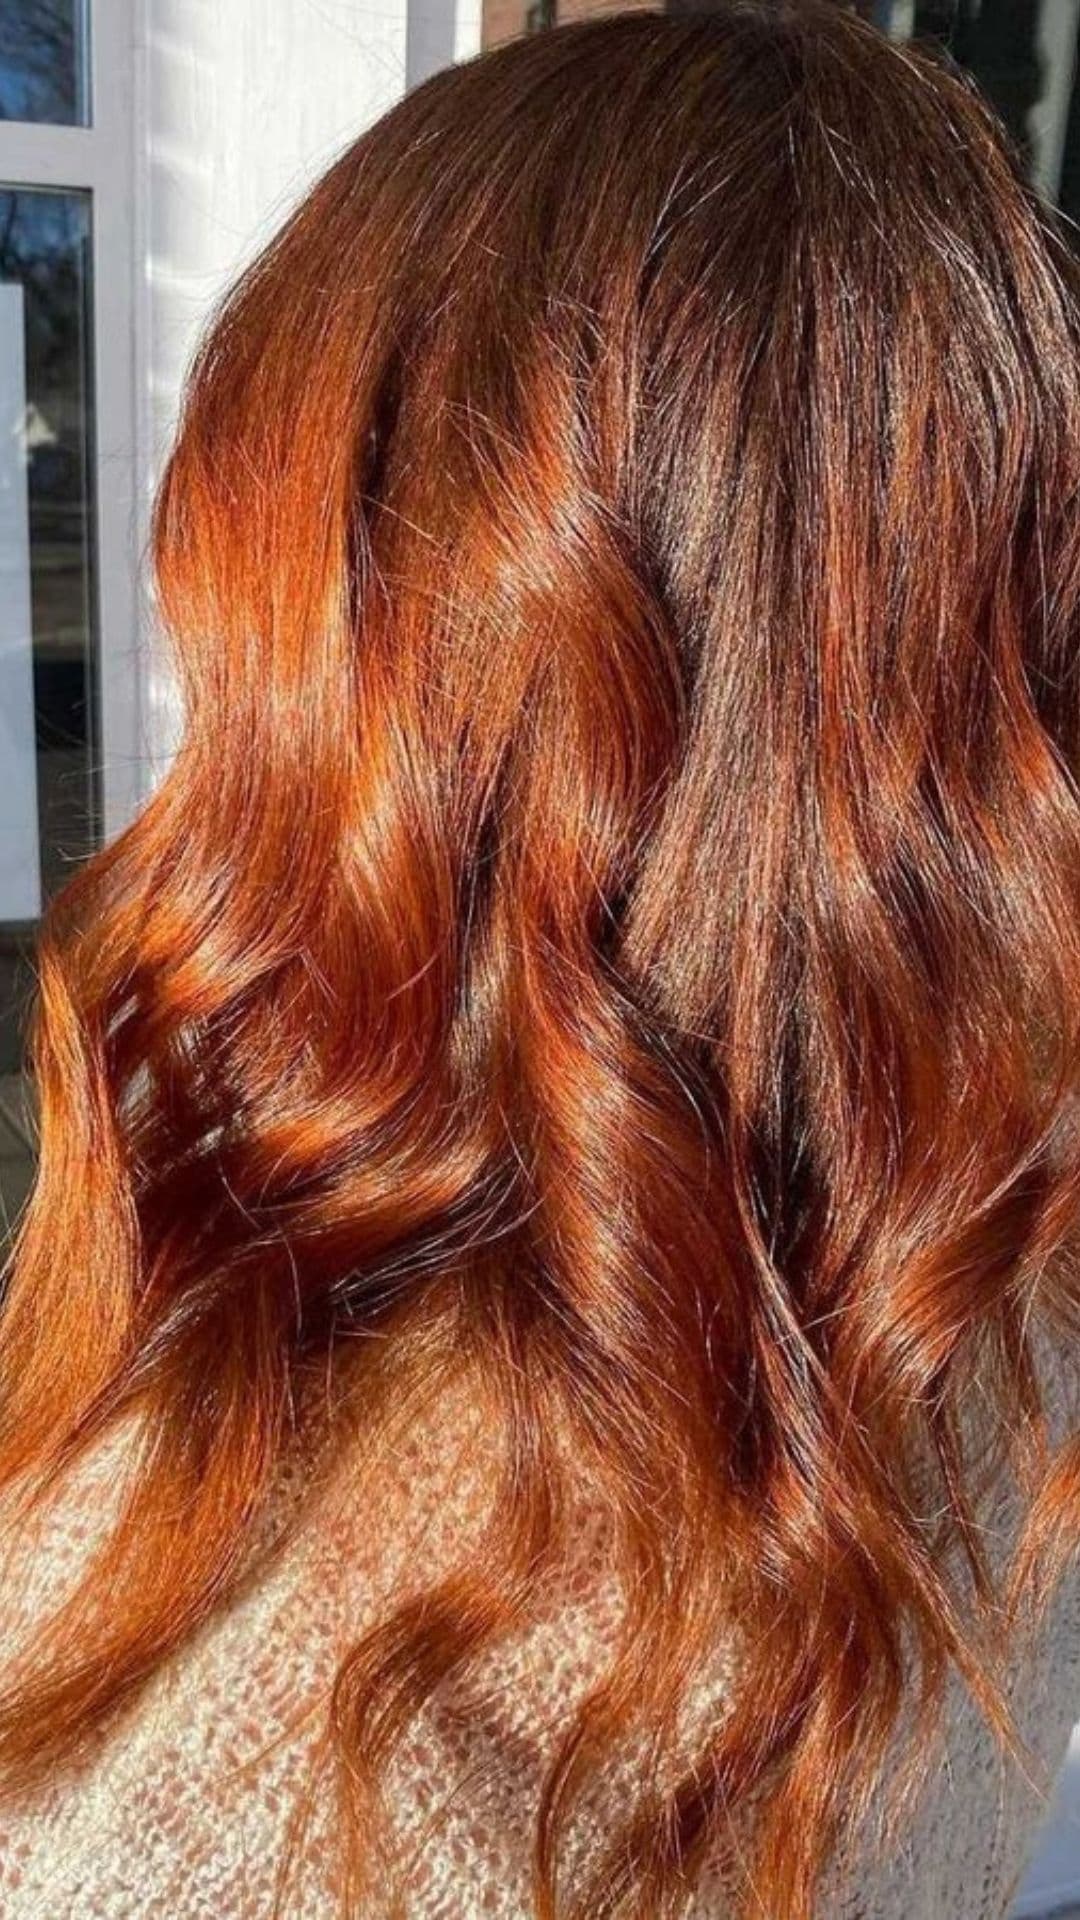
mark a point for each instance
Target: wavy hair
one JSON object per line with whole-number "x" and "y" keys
{"x": 613, "y": 922}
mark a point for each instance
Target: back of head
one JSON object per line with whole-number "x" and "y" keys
{"x": 612, "y": 923}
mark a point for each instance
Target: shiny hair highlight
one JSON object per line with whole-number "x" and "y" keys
{"x": 612, "y": 923}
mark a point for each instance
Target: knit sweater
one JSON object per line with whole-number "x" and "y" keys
{"x": 179, "y": 1810}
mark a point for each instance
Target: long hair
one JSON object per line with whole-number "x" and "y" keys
{"x": 612, "y": 924}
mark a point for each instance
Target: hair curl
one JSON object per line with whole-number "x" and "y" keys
{"x": 614, "y": 917}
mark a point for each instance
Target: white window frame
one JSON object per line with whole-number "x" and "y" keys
{"x": 98, "y": 159}
{"x": 125, "y": 161}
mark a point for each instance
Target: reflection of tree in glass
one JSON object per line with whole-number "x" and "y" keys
{"x": 45, "y": 250}
{"x": 39, "y": 60}
{"x": 42, "y": 248}
{"x": 998, "y": 44}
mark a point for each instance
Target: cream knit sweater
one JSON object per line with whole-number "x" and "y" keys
{"x": 180, "y": 1811}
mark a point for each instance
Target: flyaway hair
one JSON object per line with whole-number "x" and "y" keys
{"x": 612, "y": 927}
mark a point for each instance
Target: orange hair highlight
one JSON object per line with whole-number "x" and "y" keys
{"x": 613, "y": 924}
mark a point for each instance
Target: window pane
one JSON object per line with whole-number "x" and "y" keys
{"x": 43, "y": 61}
{"x": 506, "y": 19}
{"x": 47, "y": 801}
{"x": 1023, "y": 59}
{"x": 1023, "y": 56}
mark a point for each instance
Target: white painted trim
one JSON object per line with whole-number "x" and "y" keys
{"x": 20, "y": 863}
{"x": 33, "y": 155}
{"x": 438, "y": 33}
{"x": 115, "y": 372}
{"x": 98, "y": 160}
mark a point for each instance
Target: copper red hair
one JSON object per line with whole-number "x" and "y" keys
{"x": 613, "y": 920}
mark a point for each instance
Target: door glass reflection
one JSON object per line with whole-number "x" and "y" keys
{"x": 43, "y": 62}
{"x": 48, "y": 810}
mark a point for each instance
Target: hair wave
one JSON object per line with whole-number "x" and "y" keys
{"x": 612, "y": 920}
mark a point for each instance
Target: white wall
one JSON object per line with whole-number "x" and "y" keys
{"x": 240, "y": 104}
